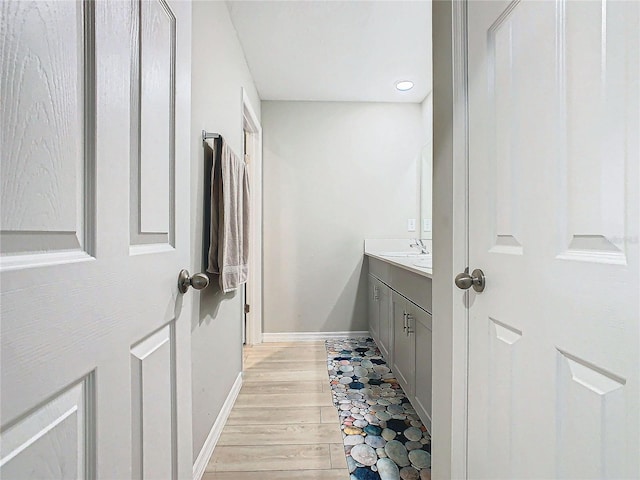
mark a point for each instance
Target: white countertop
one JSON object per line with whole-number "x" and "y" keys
{"x": 404, "y": 262}
{"x": 377, "y": 248}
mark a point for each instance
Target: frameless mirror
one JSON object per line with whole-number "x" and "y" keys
{"x": 426, "y": 189}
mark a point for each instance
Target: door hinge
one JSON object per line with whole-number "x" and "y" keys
{"x": 247, "y": 308}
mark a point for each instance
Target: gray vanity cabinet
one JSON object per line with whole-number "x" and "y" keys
{"x": 386, "y": 326}
{"x": 404, "y": 345}
{"x": 401, "y": 325}
{"x": 379, "y": 322}
{"x": 422, "y": 326}
{"x": 374, "y": 307}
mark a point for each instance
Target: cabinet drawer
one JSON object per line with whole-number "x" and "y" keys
{"x": 413, "y": 286}
{"x": 380, "y": 269}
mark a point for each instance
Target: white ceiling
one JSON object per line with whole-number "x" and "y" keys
{"x": 336, "y": 50}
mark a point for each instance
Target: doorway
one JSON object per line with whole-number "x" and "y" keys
{"x": 252, "y": 291}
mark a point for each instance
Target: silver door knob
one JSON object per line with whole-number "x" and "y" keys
{"x": 476, "y": 280}
{"x": 197, "y": 281}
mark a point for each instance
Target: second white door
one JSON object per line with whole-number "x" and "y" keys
{"x": 554, "y": 145}
{"x": 95, "y": 336}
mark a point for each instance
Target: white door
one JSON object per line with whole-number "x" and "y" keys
{"x": 554, "y": 209}
{"x": 95, "y": 337}
{"x": 252, "y": 333}
{"x": 246, "y": 300}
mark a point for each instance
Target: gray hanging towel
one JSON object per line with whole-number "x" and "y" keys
{"x": 229, "y": 239}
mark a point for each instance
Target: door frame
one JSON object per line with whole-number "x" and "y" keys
{"x": 251, "y": 124}
{"x": 450, "y": 239}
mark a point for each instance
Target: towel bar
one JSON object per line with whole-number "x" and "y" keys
{"x": 206, "y": 135}
{"x": 210, "y": 153}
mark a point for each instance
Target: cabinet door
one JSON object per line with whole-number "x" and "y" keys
{"x": 374, "y": 308}
{"x": 386, "y": 324}
{"x": 403, "y": 344}
{"x": 423, "y": 386}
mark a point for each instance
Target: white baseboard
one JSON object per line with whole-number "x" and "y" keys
{"x": 309, "y": 336}
{"x": 214, "y": 435}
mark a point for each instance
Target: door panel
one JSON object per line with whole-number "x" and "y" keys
{"x": 591, "y": 406}
{"x": 505, "y": 199}
{"x": 424, "y": 364}
{"x": 553, "y": 222}
{"x": 504, "y": 362}
{"x": 597, "y": 95}
{"x": 94, "y": 335}
{"x": 60, "y": 428}
{"x": 374, "y": 307}
{"x": 403, "y": 344}
{"x": 152, "y": 404}
{"x": 47, "y": 165}
{"x": 153, "y": 121}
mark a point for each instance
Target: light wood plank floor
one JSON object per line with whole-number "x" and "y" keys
{"x": 283, "y": 421}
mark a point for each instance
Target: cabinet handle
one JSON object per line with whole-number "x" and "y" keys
{"x": 408, "y": 329}
{"x": 404, "y": 316}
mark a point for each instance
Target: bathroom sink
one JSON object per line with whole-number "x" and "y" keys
{"x": 426, "y": 263}
{"x": 402, "y": 254}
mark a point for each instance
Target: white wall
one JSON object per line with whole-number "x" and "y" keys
{"x": 334, "y": 174}
{"x": 219, "y": 71}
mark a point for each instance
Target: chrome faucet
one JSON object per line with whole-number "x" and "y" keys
{"x": 420, "y": 245}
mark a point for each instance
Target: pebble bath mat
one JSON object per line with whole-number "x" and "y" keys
{"x": 383, "y": 436}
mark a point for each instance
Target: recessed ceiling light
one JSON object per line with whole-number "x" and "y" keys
{"x": 404, "y": 85}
